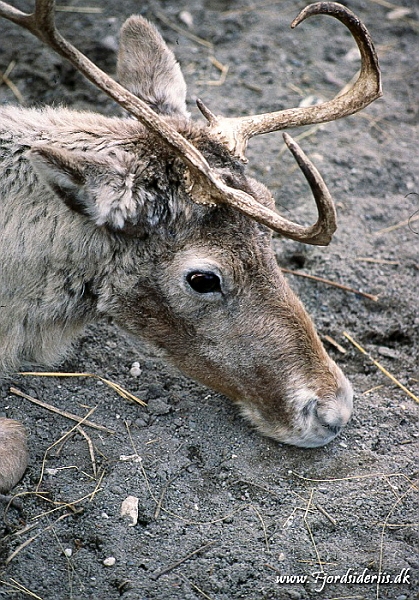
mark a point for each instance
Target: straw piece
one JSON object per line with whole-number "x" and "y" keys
{"x": 334, "y": 343}
{"x": 328, "y": 282}
{"x": 397, "y": 225}
{"x": 183, "y": 31}
{"x": 115, "y": 386}
{"x": 63, "y": 413}
{"x": 379, "y": 366}
{"x": 89, "y": 10}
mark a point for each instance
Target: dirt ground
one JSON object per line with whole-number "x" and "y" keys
{"x": 223, "y": 512}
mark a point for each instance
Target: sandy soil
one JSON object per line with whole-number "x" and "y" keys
{"x": 223, "y": 512}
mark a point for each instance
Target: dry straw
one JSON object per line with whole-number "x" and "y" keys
{"x": 379, "y": 366}
{"x": 115, "y": 386}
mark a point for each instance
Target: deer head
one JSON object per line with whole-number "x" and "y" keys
{"x": 211, "y": 296}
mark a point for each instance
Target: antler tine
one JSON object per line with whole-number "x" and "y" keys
{"x": 236, "y": 132}
{"x": 319, "y": 234}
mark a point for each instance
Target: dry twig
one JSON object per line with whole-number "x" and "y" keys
{"x": 195, "y": 587}
{"x": 309, "y": 503}
{"x": 379, "y": 366}
{"x": 33, "y": 538}
{"x": 169, "y": 568}
{"x": 91, "y": 449}
{"x": 63, "y": 413}
{"x": 4, "y": 78}
{"x": 71, "y": 505}
{"x": 162, "y": 17}
{"x": 349, "y": 477}
{"x": 259, "y": 516}
{"x": 332, "y": 283}
{"x": 373, "y": 389}
{"x": 223, "y": 70}
{"x": 88, "y": 10}
{"x": 334, "y": 343}
{"x": 252, "y": 7}
{"x": 379, "y": 261}
{"x": 397, "y": 225}
{"x": 61, "y": 439}
{"x": 384, "y": 527}
{"x": 15, "y": 585}
{"x": 115, "y": 386}
{"x": 325, "y": 513}
{"x": 166, "y": 487}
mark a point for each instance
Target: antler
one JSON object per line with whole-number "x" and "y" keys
{"x": 235, "y": 132}
{"x": 207, "y": 186}
{"x": 41, "y": 23}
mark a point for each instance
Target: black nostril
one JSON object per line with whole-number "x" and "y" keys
{"x": 333, "y": 427}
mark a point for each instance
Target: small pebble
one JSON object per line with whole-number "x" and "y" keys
{"x": 110, "y": 43}
{"x": 186, "y": 18}
{"x": 110, "y": 561}
{"x": 129, "y": 510}
{"x": 135, "y": 370}
{"x": 68, "y": 552}
{"x": 310, "y": 100}
{"x": 387, "y": 352}
{"x": 49, "y": 471}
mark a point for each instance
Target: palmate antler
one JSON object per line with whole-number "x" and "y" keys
{"x": 205, "y": 185}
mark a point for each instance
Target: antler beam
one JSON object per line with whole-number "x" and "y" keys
{"x": 319, "y": 234}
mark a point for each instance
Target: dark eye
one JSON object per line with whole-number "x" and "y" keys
{"x": 204, "y": 283}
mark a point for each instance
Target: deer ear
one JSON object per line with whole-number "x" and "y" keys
{"x": 63, "y": 172}
{"x": 99, "y": 187}
{"x": 148, "y": 69}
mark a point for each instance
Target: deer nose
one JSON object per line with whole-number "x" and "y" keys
{"x": 331, "y": 422}
{"x": 325, "y": 416}
{"x": 333, "y": 412}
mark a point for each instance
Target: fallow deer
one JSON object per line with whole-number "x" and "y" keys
{"x": 154, "y": 223}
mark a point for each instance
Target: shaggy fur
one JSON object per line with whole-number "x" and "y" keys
{"x": 96, "y": 221}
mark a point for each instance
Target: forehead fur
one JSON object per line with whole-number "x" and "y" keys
{"x": 230, "y": 167}
{"x": 157, "y": 180}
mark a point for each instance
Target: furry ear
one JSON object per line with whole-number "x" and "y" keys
{"x": 148, "y": 69}
{"x": 99, "y": 187}
{"x": 64, "y": 173}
